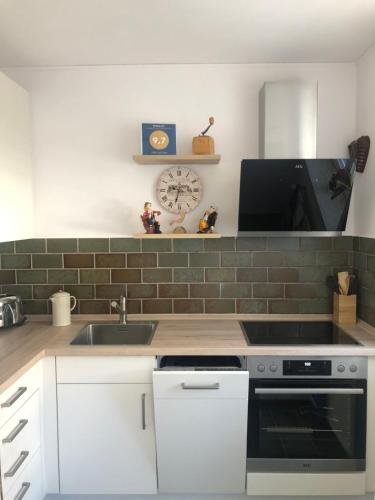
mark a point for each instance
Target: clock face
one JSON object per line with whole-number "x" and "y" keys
{"x": 179, "y": 189}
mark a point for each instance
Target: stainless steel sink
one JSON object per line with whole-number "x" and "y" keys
{"x": 134, "y": 333}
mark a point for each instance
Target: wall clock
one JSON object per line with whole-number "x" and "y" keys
{"x": 179, "y": 189}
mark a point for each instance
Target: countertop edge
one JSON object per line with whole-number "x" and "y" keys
{"x": 50, "y": 348}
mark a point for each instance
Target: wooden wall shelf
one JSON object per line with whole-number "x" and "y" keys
{"x": 176, "y": 159}
{"x": 176, "y": 235}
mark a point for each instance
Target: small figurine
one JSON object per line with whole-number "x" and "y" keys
{"x": 148, "y": 217}
{"x": 180, "y": 218}
{"x": 208, "y": 221}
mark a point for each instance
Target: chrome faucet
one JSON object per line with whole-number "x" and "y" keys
{"x": 121, "y": 309}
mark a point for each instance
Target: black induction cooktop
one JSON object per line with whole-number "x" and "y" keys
{"x": 295, "y": 333}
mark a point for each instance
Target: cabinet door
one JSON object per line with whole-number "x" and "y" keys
{"x": 201, "y": 433}
{"x": 16, "y": 200}
{"x": 106, "y": 439}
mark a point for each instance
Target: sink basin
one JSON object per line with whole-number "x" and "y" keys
{"x": 134, "y": 333}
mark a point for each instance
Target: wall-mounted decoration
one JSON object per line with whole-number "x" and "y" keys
{"x": 179, "y": 189}
{"x": 208, "y": 221}
{"x": 158, "y": 139}
{"x": 359, "y": 151}
{"x": 204, "y": 144}
{"x": 149, "y": 221}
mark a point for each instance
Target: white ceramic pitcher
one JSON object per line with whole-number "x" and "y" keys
{"x": 61, "y": 308}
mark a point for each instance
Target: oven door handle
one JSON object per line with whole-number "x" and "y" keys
{"x": 307, "y": 390}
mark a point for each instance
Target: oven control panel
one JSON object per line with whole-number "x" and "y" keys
{"x": 349, "y": 367}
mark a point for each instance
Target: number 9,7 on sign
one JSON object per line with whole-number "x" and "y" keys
{"x": 159, "y": 139}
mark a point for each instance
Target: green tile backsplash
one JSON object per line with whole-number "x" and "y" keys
{"x": 7, "y": 247}
{"x": 60, "y": 245}
{"x": 30, "y": 246}
{"x": 364, "y": 263}
{"x": 227, "y": 275}
{"x": 93, "y": 244}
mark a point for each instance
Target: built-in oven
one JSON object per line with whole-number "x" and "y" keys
{"x": 307, "y": 414}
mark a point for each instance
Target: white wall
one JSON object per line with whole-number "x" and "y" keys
{"x": 86, "y": 128}
{"x": 16, "y": 176}
{"x": 364, "y": 192}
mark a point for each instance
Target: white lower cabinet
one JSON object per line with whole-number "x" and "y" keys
{"x": 106, "y": 437}
{"x": 29, "y": 484}
{"x": 20, "y": 438}
{"x": 201, "y": 428}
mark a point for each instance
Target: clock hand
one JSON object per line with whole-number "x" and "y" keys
{"x": 178, "y": 192}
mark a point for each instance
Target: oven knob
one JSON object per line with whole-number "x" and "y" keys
{"x": 273, "y": 368}
{"x": 261, "y": 367}
{"x": 353, "y": 368}
{"x": 341, "y": 368}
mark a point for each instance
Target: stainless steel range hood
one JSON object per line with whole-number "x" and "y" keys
{"x": 288, "y": 191}
{"x": 288, "y": 119}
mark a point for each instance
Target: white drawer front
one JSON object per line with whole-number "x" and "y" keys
{"x": 19, "y": 440}
{"x": 105, "y": 369}
{"x": 16, "y": 395}
{"x": 201, "y": 384}
{"x": 28, "y": 484}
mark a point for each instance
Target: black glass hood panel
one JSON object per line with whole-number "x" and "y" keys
{"x": 295, "y": 195}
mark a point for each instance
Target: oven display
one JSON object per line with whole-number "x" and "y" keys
{"x": 298, "y": 367}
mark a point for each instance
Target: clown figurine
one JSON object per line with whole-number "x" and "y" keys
{"x": 148, "y": 217}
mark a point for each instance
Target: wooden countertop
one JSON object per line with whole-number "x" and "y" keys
{"x": 22, "y": 347}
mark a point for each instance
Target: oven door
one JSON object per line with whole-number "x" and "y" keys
{"x": 309, "y": 424}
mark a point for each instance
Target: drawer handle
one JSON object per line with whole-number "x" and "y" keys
{"x": 23, "y": 491}
{"x": 17, "y": 464}
{"x": 12, "y": 435}
{"x": 13, "y": 399}
{"x": 143, "y": 411}
{"x": 201, "y": 387}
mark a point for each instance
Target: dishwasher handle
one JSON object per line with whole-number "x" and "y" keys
{"x": 210, "y": 387}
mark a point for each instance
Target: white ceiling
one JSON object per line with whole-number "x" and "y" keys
{"x": 86, "y": 32}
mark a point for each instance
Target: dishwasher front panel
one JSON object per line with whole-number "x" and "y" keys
{"x": 201, "y": 430}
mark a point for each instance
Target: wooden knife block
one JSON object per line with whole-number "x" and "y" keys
{"x": 203, "y": 145}
{"x": 345, "y": 309}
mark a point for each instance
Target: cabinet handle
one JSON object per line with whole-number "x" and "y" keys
{"x": 17, "y": 464}
{"x": 9, "y": 402}
{"x": 201, "y": 387}
{"x": 12, "y": 435}
{"x": 23, "y": 491}
{"x": 307, "y": 390}
{"x": 143, "y": 411}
